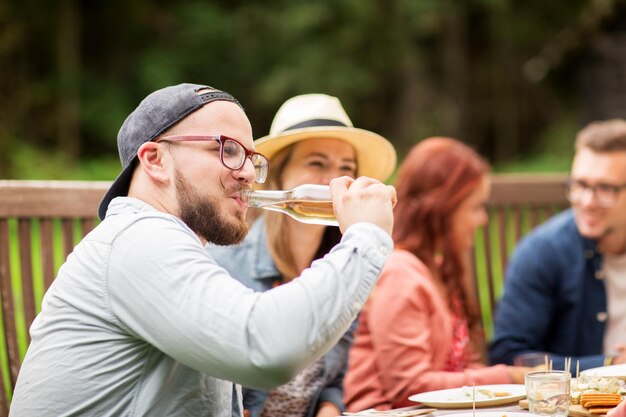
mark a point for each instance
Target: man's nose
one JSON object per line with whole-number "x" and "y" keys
{"x": 588, "y": 197}
{"x": 247, "y": 173}
{"x": 327, "y": 178}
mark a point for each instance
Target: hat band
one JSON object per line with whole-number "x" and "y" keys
{"x": 315, "y": 123}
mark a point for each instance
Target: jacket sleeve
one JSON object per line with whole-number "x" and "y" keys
{"x": 529, "y": 307}
{"x": 166, "y": 290}
{"x": 400, "y": 321}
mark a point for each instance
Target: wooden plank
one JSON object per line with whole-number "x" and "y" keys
{"x": 548, "y": 211}
{"x": 474, "y": 277}
{"x": 502, "y": 229}
{"x": 6, "y": 302}
{"x": 534, "y": 217}
{"x": 489, "y": 265}
{"x": 517, "y": 222}
{"x": 51, "y": 198}
{"x": 4, "y": 400}
{"x": 8, "y": 307}
{"x": 67, "y": 230}
{"x": 87, "y": 226}
{"x": 47, "y": 255}
{"x": 26, "y": 266}
{"x": 527, "y": 189}
{"x": 81, "y": 198}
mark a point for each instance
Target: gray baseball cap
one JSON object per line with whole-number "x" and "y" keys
{"x": 158, "y": 112}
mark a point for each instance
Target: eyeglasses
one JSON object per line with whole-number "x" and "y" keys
{"x": 232, "y": 153}
{"x": 605, "y": 195}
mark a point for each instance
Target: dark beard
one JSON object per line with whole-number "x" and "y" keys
{"x": 201, "y": 214}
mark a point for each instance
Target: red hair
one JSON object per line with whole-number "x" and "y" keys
{"x": 435, "y": 177}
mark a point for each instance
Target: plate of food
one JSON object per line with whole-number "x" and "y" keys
{"x": 614, "y": 371}
{"x": 485, "y": 396}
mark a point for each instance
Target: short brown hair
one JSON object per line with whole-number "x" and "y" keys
{"x": 603, "y": 136}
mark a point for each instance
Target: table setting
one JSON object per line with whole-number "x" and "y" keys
{"x": 546, "y": 393}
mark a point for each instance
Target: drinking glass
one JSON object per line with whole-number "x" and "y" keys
{"x": 548, "y": 392}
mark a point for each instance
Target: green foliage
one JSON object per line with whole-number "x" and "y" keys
{"x": 406, "y": 69}
{"x": 32, "y": 163}
{"x": 554, "y": 153}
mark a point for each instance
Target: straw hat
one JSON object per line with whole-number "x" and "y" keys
{"x": 311, "y": 116}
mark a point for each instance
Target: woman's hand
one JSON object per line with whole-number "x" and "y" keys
{"x": 620, "y": 357}
{"x": 619, "y": 411}
{"x": 363, "y": 200}
{"x": 328, "y": 410}
{"x": 517, "y": 373}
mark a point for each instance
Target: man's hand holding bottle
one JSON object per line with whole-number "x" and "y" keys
{"x": 363, "y": 200}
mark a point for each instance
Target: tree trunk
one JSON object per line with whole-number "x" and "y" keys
{"x": 456, "y": 71}
{"x": 603, "y": 79}
{"x": 504, "y": 95}
{"x": 12, "y": 86}
{"x": 68, "y": 123}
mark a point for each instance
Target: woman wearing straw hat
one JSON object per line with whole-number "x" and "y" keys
{"x": 311, "y": 141}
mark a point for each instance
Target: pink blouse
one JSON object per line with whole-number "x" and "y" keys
{"x": 406, "y": 342}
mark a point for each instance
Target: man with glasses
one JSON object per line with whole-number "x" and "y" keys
{"x": 565, "y": 289}
{"x": 142, "y": 321}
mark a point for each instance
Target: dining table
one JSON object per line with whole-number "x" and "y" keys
{"x": 506, "y": 410}
{"x": 515, "y": 409}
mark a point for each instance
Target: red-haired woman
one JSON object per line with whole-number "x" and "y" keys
{"x": 419, "y": 330}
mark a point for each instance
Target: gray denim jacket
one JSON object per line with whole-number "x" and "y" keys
{"x": 251, "y": 263}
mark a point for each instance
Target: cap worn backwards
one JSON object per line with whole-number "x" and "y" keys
{"x": 155, "y": 114}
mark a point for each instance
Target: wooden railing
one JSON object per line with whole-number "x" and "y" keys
{"x": 517, "y": 204}
{"x": 41, "y": 221}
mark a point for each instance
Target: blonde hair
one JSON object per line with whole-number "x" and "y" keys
{"x": 277, "y": 237}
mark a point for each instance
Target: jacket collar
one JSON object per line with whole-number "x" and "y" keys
{"x": 121, "y": 205}
{"x": 263, "y": 266}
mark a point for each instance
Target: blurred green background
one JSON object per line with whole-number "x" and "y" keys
{"x": 515, "y": 79}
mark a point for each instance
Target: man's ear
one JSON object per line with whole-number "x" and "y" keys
{"x": 153, "y": 161}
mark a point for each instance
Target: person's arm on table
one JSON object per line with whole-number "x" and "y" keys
{"x": 328, "y": 409}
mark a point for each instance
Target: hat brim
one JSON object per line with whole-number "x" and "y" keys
{"x": 376, "y": 156}
{"x": 119, "y": 188}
